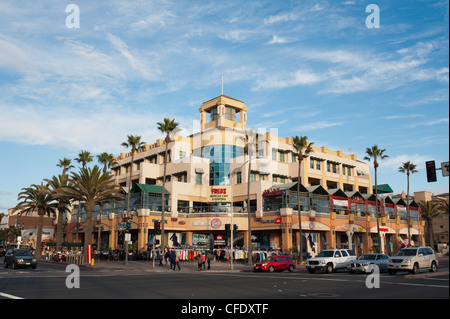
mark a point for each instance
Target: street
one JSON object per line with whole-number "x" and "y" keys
{"x": 48, "y": 281}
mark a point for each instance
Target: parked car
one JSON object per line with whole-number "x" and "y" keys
{"x": 19, "y": 258}
{"x": 364, "y": 262}
{"x": 330, "y": 260}
{"x": 413, "y": 259}
{"x": 276, "y": 263}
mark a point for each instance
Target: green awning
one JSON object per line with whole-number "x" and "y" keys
{"x": 157, "y": 189}
{"x": 383, "y": 189}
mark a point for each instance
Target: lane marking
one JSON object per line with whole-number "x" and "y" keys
{"x": 2, "y": 294}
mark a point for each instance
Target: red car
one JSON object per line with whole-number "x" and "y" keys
{"x": 279, "y": 263}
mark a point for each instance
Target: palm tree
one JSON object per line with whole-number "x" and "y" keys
{"x": 107, "y": 160}
{"x": 374, "y": 154}
{"x": 430, "y": 210}
{"x": 303, "y": 148}
{"x": 92, "y": 187}
{"x": 36, "y": 198}
{"x": 408, "y": 168}
{"x": 54, "y": 186}
{"x": 84, "y": 157}
{"x": 167, "y": 127}
{"x": 65, "y": 164}
{"x": 133, "y": 141}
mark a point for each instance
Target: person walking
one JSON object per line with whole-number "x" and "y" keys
{"x": 177, "y": 261}
{"x": 209, "y": 256}
{"x": 199, "y": 260}
{"x": 167, "y": 257}
{"x": 172, "y": 259}
{"x": 203, "y": 260}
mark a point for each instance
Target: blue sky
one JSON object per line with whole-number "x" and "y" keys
{"x": 303, "y": 67}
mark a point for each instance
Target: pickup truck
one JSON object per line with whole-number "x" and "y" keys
{"x": 330, "y": 260}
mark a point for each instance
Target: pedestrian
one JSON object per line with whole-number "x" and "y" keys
{"x": 203, "y": 260}
{"x": 176, "y": 261}
{"x": 209, "y": 256}
{"x": 199, "y": 260}
{"x": 159, "y": 257}
{"x": 172, "y": 259}
{"x": 167, "y": 257}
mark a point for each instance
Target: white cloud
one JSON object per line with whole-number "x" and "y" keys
{"x": 317, "y": 126}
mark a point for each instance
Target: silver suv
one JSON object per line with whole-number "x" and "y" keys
{"x": 413, "y": 259}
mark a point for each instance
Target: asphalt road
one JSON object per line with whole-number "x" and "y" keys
{"x": 49, "y": 282}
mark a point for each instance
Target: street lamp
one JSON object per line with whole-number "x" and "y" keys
{"x": 234, "y": 172}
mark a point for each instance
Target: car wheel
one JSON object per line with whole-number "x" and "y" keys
{"x": 271, "y": 269}
{"x": 291, "y": 268}
{"x": 415, "y": 269}
{"x": 433, "y": 267}
{"x": 329, "y": 268}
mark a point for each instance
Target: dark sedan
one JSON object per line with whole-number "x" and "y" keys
{"x": 17, "y": 258}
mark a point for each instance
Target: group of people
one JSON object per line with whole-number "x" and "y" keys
{"x": 172, "y": 258}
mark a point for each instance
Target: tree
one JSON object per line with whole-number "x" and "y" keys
{"x": 65, "y": 164}
{"x": 408, "y": 168}
{"x": 84, "y": 157}
{"x": 430, "y": 210}
{"x": 167, "y": 127}
{"x": 92, "y": 187}
{"x": 32, "y": 199}
{"x": 54, "y": 186}
{"x": 374, "y": 153}
{"x": 303, "y": 148}
{"x": 107, "y": 160}
{"x": 134, "y": 142}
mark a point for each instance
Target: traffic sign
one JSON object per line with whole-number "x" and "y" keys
{"x": 444, "y": 167}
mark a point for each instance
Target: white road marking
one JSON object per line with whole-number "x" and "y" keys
{"x": 2, "y": 294}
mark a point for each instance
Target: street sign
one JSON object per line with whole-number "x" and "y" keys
{"x": 445, "y": 168}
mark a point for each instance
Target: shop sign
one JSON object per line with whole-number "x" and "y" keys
{"x": 219, "y": 194}
{"x": 216, "y": 223}
{"x": 200, "y": 239}
{"x": 270, "y": 221}
{"x": 340, "y": 202}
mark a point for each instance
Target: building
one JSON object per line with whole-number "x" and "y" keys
{"x": 206, "y": 180}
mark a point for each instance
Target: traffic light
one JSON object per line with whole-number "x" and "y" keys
{"x": 235, "y": 229}
{"x": 431, "y": 171}
{"x": 157, "y": 226}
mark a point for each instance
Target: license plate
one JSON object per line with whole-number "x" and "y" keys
{"x": 256, "y": 267}
{"x": 27, "y": 264}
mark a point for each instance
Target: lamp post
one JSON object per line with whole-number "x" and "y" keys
{"x": 234, "y": 172}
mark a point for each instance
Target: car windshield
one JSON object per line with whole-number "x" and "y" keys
{"x": 407, "y": 252}
{"x": 269, "y": 259}
{"x": 367, "y": 257}
{"x": 22, "y": 252}
{"x": 326, "y": 253}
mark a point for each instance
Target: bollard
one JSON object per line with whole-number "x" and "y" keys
{"x": 92, "y": 262}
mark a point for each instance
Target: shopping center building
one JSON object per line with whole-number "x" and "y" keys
{"x": 206, "y": 188}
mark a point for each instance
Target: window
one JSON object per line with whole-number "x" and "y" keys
{"x": 282, "y": 157}
{"x": 182, "y": 154}
{"x": 274, "y": 179}
{"x": 344, "y": 253}
{"x": 311, "y": 164}
{"x": 318, "y": 165}
{"x": 274, "y": 154}
{"x": 337, "y": 254}
{"x": 198, "y": 178}
{"x": 238, "y": 177}
{"x": 252, "y": 177}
